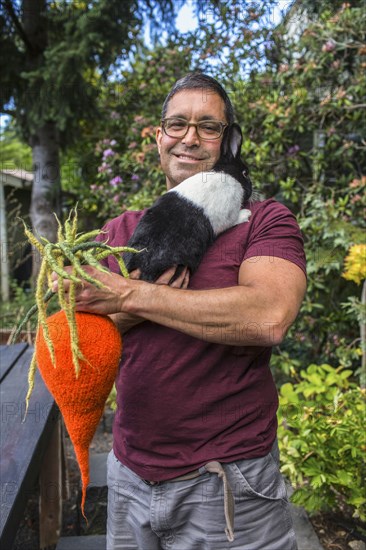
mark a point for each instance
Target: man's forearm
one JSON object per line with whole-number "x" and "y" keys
{"x": 233, "y": 316}
{"x": 256, "y": 312}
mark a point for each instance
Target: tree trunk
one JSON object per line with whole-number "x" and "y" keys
{"x": 43, "y": 139}
{"x": 46, "y": 191}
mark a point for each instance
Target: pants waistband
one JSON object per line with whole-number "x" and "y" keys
{"x": 212, "y": 468}
{"x": 185, "y": 477}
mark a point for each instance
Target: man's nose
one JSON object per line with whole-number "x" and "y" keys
{"x": 191, "y": 137}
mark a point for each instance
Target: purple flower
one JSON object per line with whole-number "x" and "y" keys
{"x": 103, "y": 168}
{"x": 116, "y": 181}
{"x": 108, "y": 153}
{"x": 293, "y": 150}
{"x": 135, "y": 177}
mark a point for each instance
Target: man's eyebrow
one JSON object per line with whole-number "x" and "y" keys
{"x": 177, "y": 116}
{"x": 208, "y": 117}
{"x": 204, "y": 117}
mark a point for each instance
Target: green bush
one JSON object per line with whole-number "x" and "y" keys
{"x": 322, "y": 440}
{"x": 14, "y": 310}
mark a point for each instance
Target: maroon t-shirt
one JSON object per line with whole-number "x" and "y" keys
{"x": 181, "y": 401}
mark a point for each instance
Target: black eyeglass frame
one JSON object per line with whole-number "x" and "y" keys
{"x": 223, "y": 125}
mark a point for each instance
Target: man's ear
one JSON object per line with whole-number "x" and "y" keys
{"x": 158, "y": 137}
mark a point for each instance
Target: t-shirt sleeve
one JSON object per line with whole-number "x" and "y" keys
{"x": 117, "y": 232}
{"x": 105, "y": 236}
{"x": 275, "y": 232}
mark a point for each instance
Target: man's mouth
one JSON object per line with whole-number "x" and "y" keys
{"x": 188, "y": 158}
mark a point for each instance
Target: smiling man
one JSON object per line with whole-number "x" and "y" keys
{"x": 194, "y": 464}
{"x": 183, "y": 157}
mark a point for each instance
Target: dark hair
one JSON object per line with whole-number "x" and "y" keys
{"x": 196, "y": 80}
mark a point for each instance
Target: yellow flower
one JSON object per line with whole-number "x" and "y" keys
{"x": 355, "y": 264}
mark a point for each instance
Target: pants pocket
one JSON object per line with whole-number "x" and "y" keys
{"x": 259, "y": 477}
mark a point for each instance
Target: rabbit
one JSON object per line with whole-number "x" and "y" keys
{"x": 180, "y": 226}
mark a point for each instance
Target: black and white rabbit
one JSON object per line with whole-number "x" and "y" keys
{"x": 180, "y": 226}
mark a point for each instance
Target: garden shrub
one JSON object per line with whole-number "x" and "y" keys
{"x": 322, "y": 440}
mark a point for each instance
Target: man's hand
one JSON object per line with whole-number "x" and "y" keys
{"x": 165, "y": 279}
{"x": 125, "y": 321}
{"x": 109, "y": 299}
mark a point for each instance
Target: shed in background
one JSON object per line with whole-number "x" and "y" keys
{"x": 15, "y": 199}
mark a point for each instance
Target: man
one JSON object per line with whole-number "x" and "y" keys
{"x": 196, "y": 416}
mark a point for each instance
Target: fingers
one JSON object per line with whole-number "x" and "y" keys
{"x": 135, "y": 274}
{"x": 66, "y": 285}
{"x": 165, "y": 278}
{"x": 103, "y": 300}
{"x": 65, "y": 282}
{"x": 185, "y": 281}
{"x": 181, "y": 281}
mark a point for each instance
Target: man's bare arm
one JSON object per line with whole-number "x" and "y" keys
{"x": 258, "y": 311}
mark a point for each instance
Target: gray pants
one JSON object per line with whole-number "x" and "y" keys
{"x": 189, "y": 515}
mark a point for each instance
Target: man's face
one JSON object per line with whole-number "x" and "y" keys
{"x": 183, "y": 157}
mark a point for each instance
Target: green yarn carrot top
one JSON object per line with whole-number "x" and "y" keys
{"x": 77, "y": 250}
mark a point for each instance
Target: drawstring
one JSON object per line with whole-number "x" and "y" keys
{"x": 216, "y": 468}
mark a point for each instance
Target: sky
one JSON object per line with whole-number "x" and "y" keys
{"x": 186, "y": 20}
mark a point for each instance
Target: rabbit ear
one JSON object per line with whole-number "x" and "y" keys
{"x": 236, "y": 139}
{"x": 232, "y": 140}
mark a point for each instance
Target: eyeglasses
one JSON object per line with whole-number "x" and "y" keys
{"x": 206, "y": 129}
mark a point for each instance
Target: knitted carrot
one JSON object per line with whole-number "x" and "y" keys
{"x": 80, "y": 399}
{"x": 77, "y": 353}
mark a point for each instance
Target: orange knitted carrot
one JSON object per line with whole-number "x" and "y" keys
{"x": 81, "y": 398}
{"x": 77, "y": 353}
